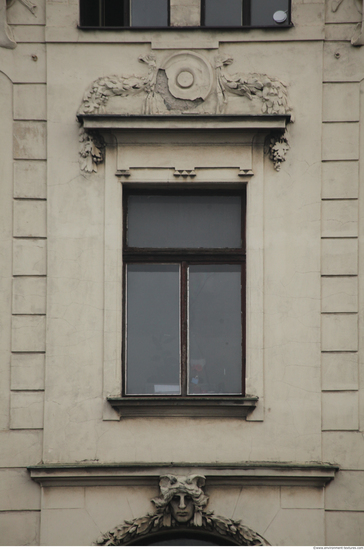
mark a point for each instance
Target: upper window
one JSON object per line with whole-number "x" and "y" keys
{"x": 156, "y": 13}
{"x": 184, "y": 307}
{"x": 124, "y": 13}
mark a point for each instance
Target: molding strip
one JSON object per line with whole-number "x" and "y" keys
{"x": 184, "y": 122}
{"x": 222, "y": 475}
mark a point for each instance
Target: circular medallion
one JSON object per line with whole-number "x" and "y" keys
{"x": 189, "y": 75}
{"x": 185, "y": 79}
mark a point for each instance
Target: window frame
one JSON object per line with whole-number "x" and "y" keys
{"x": 184, "y": 257}
{"x": 246, "y": 23}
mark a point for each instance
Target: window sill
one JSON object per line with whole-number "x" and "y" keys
{"x": 209, "y": 407}
{"x": 189, "y": 28}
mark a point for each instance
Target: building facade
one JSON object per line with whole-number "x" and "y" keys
{"x": 181, "y": 272}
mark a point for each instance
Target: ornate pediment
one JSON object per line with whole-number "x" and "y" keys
{"x": 186, "y": 83}
{"x": 180, "y": 510}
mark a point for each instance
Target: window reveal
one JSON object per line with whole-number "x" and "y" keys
{"x": 184, "y": 319}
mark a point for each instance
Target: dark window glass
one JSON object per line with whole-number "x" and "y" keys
{"x": 115, "y": 13}
{"x": 180, "y": 221}
{"x": 262, "y": 11}
{"x": 226, "y": 13}
{"x": 90, "y": 13}
{"x": 149, "y": 13}
{"x": 155, "y": 13}
{"x": 184, "y": 291}
{"x": 104, "y": 13}
{"x": 215, "y": 331}
{"x": 152, "y": 328}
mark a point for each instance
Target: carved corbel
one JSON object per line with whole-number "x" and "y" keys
{"x": 92, "y": 150}
{"x": 277, "y": 147}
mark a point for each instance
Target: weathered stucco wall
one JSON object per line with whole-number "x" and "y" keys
{"x": 55, "y": 288}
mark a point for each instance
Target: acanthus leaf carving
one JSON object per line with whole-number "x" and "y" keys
{"x": 277, "y": 148}
{"x": 92, "y": 150}
{"x": 180, "y": 505}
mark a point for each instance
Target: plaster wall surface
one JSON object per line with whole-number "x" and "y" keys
{"x": 54, "y": 288}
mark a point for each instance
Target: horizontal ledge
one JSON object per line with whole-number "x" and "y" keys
{"x": 183, "y": 122}
{"x": 186, "y": 28}
{"x": 224, "y": 474}
{"x": 217, "y": 407}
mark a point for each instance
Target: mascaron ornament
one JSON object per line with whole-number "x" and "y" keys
{"x": 181, "y": 506}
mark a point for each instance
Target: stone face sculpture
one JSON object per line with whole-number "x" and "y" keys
{"x": 180, "y": 506}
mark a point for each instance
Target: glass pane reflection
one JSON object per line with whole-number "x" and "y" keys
{"x": 215, "y": 329}
{"x": 262, "y": 12}
{"x": 172, "y": 221}
{"x": 153, "y": 356}
{"x": 149, "y": 13}
{"x": 228, "y": 13}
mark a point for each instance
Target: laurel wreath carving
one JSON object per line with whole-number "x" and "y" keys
{"x": 270, "y": 91}
{"x": 153, "y": 523}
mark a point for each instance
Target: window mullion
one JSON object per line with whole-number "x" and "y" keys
{"x": 184, "y": 327}
{"x": 102, "y": 12}
{"x": 246, "y": 13}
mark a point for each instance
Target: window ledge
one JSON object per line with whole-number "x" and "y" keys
{"x": 220, "y": 407}
{"x": 188, "y": 28}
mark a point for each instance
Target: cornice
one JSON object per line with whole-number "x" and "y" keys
{"x": 221, "y": 475}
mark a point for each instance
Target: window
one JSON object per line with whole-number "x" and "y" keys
{"x": 156, "y": 13}
{"x": 124, "y": 13}
{"x": 246, "y": 13}
{"x": 184, "y": 295}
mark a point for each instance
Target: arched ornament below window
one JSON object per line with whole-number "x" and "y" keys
{"x": 180, "y": 514}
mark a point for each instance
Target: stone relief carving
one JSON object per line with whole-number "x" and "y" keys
{"x": 6, "y": 36}
{"x": 184, "y": 83}
{"x": 92, "y": 150}
{"x": 181, "y": 505}
{"x": 100, "y": 91}
{"x": 277, "y": 147}
{"x": 270, "y": 92}
{"x": 358, "y": 37}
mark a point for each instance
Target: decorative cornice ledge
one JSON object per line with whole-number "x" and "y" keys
{"x": 263, "y": 122}
{"x": 316, "y": 474}
{"x": 212, "y": 406}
